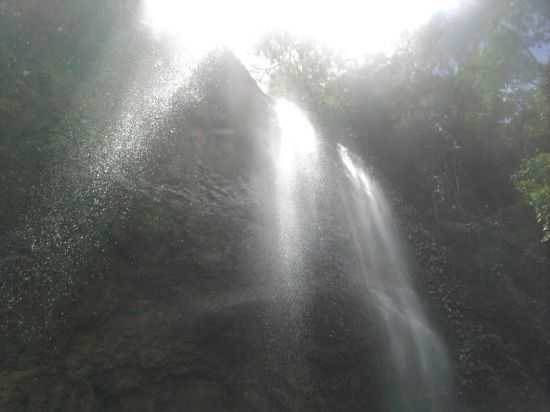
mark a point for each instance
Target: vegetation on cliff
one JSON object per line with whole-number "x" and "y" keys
{"x": 134, "y": 274}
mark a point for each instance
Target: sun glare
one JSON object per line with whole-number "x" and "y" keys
{"x": 297, "y": 138}
{"x": 351, "y": 26}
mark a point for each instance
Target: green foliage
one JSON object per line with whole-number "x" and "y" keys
{"x": 304, "y": 71}
{"x": 454, "y": 109}
{"x": 533, "y": 181}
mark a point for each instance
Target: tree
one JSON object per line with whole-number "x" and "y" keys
{"x": 533, "y": 181}
{"x": 454, "y": 109}
{"x": 304, "y": 71}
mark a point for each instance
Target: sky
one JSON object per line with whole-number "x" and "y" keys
{"x": 353, "y": 27}
{"x": 542, "y": 53}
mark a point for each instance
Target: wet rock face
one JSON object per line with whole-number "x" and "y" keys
{"x": 175, "y": 300}
{"x": 219, "y": 362}
{"x": 185, "y": 312}
{"x": 488, "y": 300}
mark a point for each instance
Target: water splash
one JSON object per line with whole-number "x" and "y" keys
{"x": 68, "y": 225}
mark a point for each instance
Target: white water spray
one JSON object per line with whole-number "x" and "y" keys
{"x": 417, "y": 353}
{"x": 417, "y": 357}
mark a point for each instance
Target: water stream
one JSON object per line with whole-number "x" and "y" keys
{"x": 418, "y": 358}
{"x": 417, "y": 353}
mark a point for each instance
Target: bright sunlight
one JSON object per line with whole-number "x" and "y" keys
{"x": 298, "y": 140}
{"x": 350, "y": 26}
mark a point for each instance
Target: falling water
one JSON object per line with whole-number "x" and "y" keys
{"x": 417, "y": 354}
{"x": 418, "y": 366}
{"x": 295, "y": 155}
{"x": 293, "y": 189}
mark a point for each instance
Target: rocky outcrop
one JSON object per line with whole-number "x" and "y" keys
{"x": 176, "y": 304}
{"x": 156, "y": 288}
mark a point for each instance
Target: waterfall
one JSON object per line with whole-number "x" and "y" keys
{"x": 295, "y": 155}
{"x": 417, "y": 353}
{"x": 418, "y": 370}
